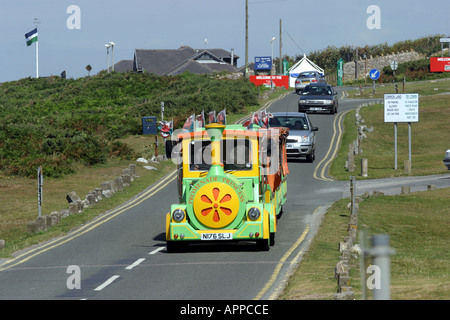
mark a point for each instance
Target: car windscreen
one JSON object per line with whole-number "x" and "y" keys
{"x": 291, "y": 122}
{"x": 317, "y": 91}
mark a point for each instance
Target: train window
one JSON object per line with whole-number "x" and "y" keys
{"x": 236, "y": 155}
{"x": 199, "y": 155}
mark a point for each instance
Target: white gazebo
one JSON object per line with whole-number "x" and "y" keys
{"x": 304, "y": 64}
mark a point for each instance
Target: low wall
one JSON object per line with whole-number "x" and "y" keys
{"x": 76, "y": 205}
{"x": 365, "y": 65}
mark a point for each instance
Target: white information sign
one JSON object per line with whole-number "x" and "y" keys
{"x": 401, "y": 107}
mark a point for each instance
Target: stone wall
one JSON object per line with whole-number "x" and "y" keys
{"x": 365, "y": 65}
{"x": 76, "y": 205}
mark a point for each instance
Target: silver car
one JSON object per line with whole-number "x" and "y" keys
{"x": 301, "y": 141}
{"x": 307, "y": 77}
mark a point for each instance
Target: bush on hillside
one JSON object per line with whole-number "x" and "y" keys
{"x": 53, "y": 121}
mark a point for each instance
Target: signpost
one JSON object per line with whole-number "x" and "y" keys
{"x": 278, "y": 81}
{"x": 149, "y": 125}
{"x": 40, "y": 179}
{"x": 340, "y": 71}
{"x": 440, "y": 64}
{"x": 403, "y": 107}
{"x": 442, "y": 41}
{"x": 285, "y": 67}
{"x": 394, "y": 66}
{"x": 263, "y": 63}
{"x": 374, "y": 75}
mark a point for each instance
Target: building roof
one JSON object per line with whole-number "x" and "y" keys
{"x": 176, "y": 61}
{"x": 123, "y": 66}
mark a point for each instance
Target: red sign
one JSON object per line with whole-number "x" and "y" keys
{"x": 277, "y": 81}
{"x": 440, "y": 64}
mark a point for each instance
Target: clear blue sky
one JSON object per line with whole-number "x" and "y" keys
{"x": 165, "y": 24}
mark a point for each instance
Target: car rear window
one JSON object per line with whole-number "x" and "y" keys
{"x": 307, "y": 74}
{"x": 313, "y": 90}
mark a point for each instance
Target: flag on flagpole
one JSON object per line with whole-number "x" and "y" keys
{"x": 212, "y": 116}
{"x": 201, "y": 119}
{"x": 222, "y": 117}
{"x": 31, "y": 36}
{"x": 189, "y": 124}
{"x": 166, "y": 128}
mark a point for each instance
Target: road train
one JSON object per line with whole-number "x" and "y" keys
{"x": 232, "y": 184}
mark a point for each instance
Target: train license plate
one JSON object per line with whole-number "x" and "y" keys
{"x": 217, "y": 236}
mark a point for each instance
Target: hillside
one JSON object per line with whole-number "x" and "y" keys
{"x": 327, "y": 58}
{"x": 53, "y": 122}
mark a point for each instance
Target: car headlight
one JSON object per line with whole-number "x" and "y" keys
{"x": 254, "y": 213}
{"x": 178, "y": 215}
{"x": 328, "y": 102}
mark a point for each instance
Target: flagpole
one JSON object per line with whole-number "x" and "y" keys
{"x": 36, "y": 22}
{"x": 37, "y": 59}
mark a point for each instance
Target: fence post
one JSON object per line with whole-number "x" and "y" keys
{"x": 380, "y": 253}
{"x": 364, "y": 167}
{"x": 352, "y": 193}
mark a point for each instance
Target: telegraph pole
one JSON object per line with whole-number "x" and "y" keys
{"x": 246, "y": 38}
{"x": 281, "y": 59}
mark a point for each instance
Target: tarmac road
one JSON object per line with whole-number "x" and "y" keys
{"x": 122, "y": 254}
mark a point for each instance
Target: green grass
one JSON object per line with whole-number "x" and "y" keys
{"x": 416, "y": 223}
{"x": 428, "y": 142}
{"x": 423, "y": 88}
{"x": 314, "y": 278}
{"x": 418, "y": 228}
{"x": 19, "y": 200}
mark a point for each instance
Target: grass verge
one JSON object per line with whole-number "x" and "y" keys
{"x": 428, "y": 142}
{"x": 419, "y": 268}
{"x": 417, "y": 223}
{"x": 19, "y": 200}
{"x": 423, "y": 88}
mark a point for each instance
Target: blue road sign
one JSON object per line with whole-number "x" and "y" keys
{"x": 263, "y": 63}
{"x": 374, "y": 74}
{"x": 149, "y": 125}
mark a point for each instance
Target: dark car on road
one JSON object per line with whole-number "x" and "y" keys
{"x": 319, "y": 97}
{"x": 301, "y": 141}
{"x": 306, "y": 78}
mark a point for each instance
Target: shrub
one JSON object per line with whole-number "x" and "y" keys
{"x": 54, "y": 121}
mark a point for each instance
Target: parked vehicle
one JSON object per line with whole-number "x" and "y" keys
{"x": 319, "y": 97}
{"x": 301, "y": 141}
{"x": 306, "y": 78}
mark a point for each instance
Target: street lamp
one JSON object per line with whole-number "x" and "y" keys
{"x": 271, "y": 43}
{"x": 107, "y": 56}
{"x": 112, "y": 53}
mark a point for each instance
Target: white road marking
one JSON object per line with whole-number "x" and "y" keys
{"x": 137, "y": 262}
{"x": 157, "y": 250}
{"x": 106, "y": 283}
